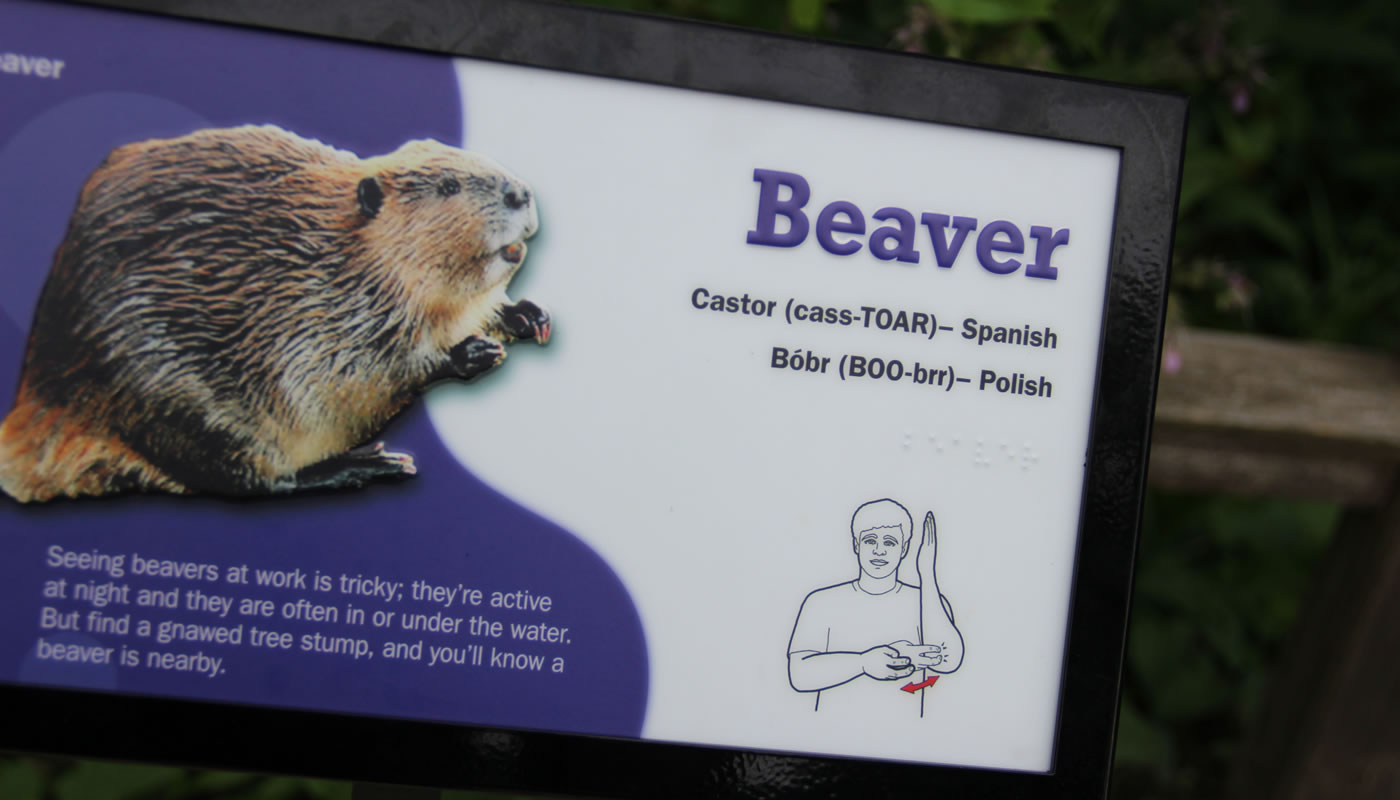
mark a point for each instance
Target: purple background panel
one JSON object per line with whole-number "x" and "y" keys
{"x": 129, "y": 78}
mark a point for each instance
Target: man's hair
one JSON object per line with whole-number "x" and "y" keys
{"x": 884, "y": 513}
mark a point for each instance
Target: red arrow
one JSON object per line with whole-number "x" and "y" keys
{"x": 914, "y": 687}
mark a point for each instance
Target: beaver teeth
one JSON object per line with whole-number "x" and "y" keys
{"x": 513, "y": 252}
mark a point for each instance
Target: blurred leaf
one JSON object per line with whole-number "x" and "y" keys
{"x": 1203, "y": 173}
{"x": 1218, "y": 587}
{"x": 806, "y": 15}
{"x": 1193, "y": 689}
{"x": 992, "y": 11}
{"x": 1250, "y": 141}
{"x": 1336, "y": 37}
{"x": 19, "y": 780}
{"x": 1285, "y": 298}
{"x": 1234, "y": 206}
{"x": 92, "y": 779}
{"x": 456, "y": 794}
{"x": 1371, "y": 165}
{"x": 1157, "y": 646}
{"x": 279, "y": 788}
{"x": 219, "y": 783}
{"x": 293, "y": 788}
{"x": 1139, "y": 741}
{"x": 1082, "y": 23}
{"x": 327, "y": 790}
{"x": 1021, "y": 46}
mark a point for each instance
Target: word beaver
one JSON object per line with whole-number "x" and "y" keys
{"x": 238, "y": 311}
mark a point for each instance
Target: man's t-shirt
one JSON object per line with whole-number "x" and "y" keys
{"x": 845, "y": 618}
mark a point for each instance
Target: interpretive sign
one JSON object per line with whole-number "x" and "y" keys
{"x": 651, "y": 384}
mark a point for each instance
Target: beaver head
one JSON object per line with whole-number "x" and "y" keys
{"x": 452, "y": 224}
{"x": 479, "y": 214}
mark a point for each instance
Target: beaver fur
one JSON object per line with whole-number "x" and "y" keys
{"x": 238, "y": 311}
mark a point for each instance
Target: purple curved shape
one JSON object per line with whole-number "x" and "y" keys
{"x": 127, "y": 78}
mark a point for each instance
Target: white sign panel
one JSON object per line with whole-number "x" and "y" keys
{"x": 775, "y": 315}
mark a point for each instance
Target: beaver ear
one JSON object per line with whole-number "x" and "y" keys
{"x": 371, "y": 197}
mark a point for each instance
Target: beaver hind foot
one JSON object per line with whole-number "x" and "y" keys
{"x": 354, "y": 469}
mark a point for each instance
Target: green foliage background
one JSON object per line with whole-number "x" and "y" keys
{"x": 1287, "y": 227}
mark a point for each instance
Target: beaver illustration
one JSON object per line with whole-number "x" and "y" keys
{"x": 239, "y": 311}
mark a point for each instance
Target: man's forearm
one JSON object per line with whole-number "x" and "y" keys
{"x": 938, "y": 629}
{"x": 811, "y": 671}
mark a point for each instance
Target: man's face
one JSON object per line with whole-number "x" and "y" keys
{"x": 880, "y": 550}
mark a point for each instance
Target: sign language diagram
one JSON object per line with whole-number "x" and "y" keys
{"x": 874, "y": 643}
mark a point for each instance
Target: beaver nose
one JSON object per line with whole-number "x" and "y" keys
{"x": 516, "y": 197}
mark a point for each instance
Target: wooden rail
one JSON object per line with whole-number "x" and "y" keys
{"x": 1249, "y": 415}
{"x": 1255, "y": 416}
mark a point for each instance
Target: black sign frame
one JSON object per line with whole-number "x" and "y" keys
{"x": 1147, "y": 127}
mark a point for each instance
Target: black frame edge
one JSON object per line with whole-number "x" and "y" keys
{"x": 1146, "y": 126}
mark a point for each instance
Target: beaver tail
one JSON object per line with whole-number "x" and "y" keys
{"x": 47, "y": 451}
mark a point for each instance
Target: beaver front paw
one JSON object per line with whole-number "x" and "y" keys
{"x": 475, "y": 355}
{"x": 355, "y": 468}
{"x": 526, "y": 320}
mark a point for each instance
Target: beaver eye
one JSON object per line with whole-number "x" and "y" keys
{"x": 449, "y": 187}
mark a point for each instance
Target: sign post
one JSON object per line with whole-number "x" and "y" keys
{"x": 513, "y": 392}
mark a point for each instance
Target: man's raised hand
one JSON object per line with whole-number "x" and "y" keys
{"x": 927, "y": 556}
{"x": 935, "y": 612}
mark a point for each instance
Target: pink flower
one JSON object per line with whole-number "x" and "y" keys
{"x": 1171, "y": 360}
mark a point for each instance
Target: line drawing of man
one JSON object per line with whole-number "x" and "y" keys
{"x": 854, "y": 642}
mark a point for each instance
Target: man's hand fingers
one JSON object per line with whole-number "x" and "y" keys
{"x": 895, "y": 673}
{"x": 930, "y": 529}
